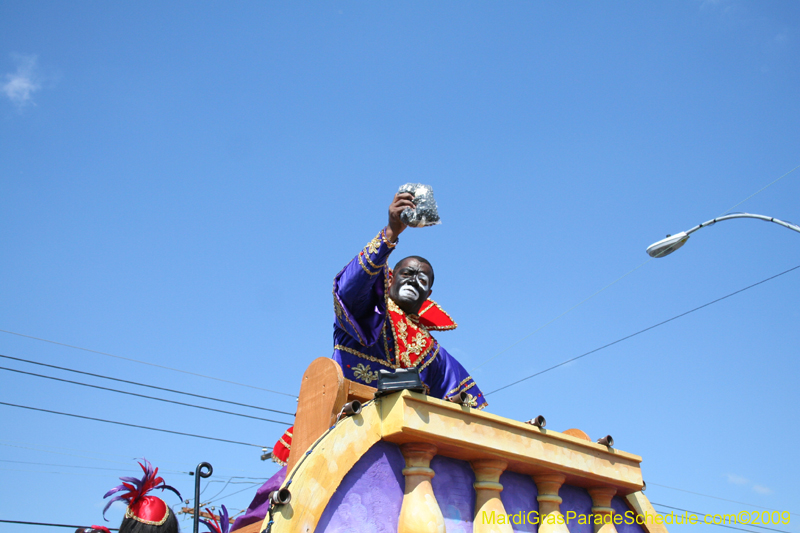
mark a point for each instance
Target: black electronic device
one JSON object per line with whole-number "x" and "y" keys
{"x": 400, "y": 379}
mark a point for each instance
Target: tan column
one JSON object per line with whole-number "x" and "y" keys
{"x": 602, "y": 510}
{"x": 488, "y": 505}
{"x": 551, "y": 519}
{"x": 420, "y": 512}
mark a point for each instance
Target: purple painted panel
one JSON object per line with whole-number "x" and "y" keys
{"x": 620, "y": 507}
{"x": 577, "y": 500}
{"x": 519, "y": 498}
{"x": 370, "y": 495}
{"x": 452, "y": 486}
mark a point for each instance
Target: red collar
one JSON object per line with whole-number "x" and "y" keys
{"x": 433, "y": 317}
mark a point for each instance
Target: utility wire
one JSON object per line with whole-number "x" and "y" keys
{"x": 225, "y": 486}
{"x": 134, "y": 425}
{"x": 710, "y": 496}
{"x": 71, "y": 455}
{"x": 127, "y": 463}
{"x": 721, "y": 525}
{"x": 761, "y": 189}
{"x": 143, "y": 396}
{"x": 641, "y": 331}
{"x": 146, "y": 363}
{"x": 71, "y": 466}
{"x": 16, "y": 444}
{"x": 143, "y": 384}
{"x": 81, "y": 474}
{"x": 232, "y": 493}
{"x": 48, "y": 524}
{"x": 504, "y": 350}
{"x": 260, "y": 482}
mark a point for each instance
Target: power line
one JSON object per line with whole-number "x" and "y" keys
{"x": 146, "y": 363}
{"x": 225, "y": 486}
{"x": 260, "y": 482}
{"x": 83, "y": 456}
{"x": 47, "y": 524}
{"x": 641, "y": 331}
{"x": 504, "y": 350}
{"x": 134, "y": 425}
{"x": 232, "y": 493}
{"x": 40, "y": 448}
{"x": 721, "y": 525}
{"x": 143, "y": 396}
{"x": 143, "y": 384}
{"x": 761, "y": 189}
{"x": 17, "y": 444}
{"x": 81, "y": 474}
{"x": 710, "y": 496}
{"x": 70, "y": 466}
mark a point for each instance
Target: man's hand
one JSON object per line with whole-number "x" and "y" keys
{"x": 398, "y": 205}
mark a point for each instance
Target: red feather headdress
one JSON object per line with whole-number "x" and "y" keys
{"x": 141, "y": 507}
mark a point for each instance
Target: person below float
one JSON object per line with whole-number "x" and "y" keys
{"x": 383, "y": 319}
{"x": 145, "y": 513}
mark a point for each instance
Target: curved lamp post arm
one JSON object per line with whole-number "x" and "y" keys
{"x": 673, "y": 242}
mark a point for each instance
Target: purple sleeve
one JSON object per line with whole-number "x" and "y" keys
{"x": 446, "y": 377}
{"x": 359, "y": 298}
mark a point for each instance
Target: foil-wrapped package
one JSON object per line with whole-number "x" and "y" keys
{"x": 426, "y": 212}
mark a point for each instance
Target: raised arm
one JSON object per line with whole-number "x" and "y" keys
{"x": 359, "y": 289}
{"x": 398, "y": 205}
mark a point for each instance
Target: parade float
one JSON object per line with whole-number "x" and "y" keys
{"x": 410, "y": 463}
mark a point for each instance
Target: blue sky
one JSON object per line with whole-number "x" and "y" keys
{"x": 181, "y": 182}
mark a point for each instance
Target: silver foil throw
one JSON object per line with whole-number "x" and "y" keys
{"x": 426, "y": 212}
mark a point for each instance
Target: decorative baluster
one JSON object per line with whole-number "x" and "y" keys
{"x": 551, "y": 519}
{"x": 420, "y": 512}
{"x": 602, "y": 510}
{"x": 487, "y": 497}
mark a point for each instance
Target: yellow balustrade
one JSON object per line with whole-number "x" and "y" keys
{"x": 420, "y": 512}
{"x": 487, "y": 496}
{"x": 551, "y": 519}
{"x": 602, "y": 510}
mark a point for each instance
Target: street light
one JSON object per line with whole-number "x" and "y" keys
{"x": 673, "y": 242}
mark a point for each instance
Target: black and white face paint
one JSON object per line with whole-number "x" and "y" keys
{"x": 411, "y": 286}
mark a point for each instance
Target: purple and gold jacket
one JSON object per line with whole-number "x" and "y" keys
{"x": 370, "y": 332}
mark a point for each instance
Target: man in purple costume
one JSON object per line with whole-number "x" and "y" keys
{"x": 383, "y": 317}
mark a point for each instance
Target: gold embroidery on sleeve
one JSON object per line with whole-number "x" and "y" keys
{"x": 429, "y": 361}
{"x": 375, "y": 244}
{"x": 362, "y": 372}
{"x": 366, "y": 256}
{"x": 382, "y": 235}
{"x": 368, "y": 271}
{"x": 363, "y": 355}
{"x": 346, "y": 317}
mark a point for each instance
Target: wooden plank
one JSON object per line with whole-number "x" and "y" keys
{"x": 360, "y": 392}
{"x": 321, "y": 391}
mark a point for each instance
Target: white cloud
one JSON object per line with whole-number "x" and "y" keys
{"x": 761, "y": 489}
{"x": 736, "y": 480}
{"x": 20, "y": 85}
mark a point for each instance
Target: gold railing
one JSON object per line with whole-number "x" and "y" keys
{"x": 423, "y": 427}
